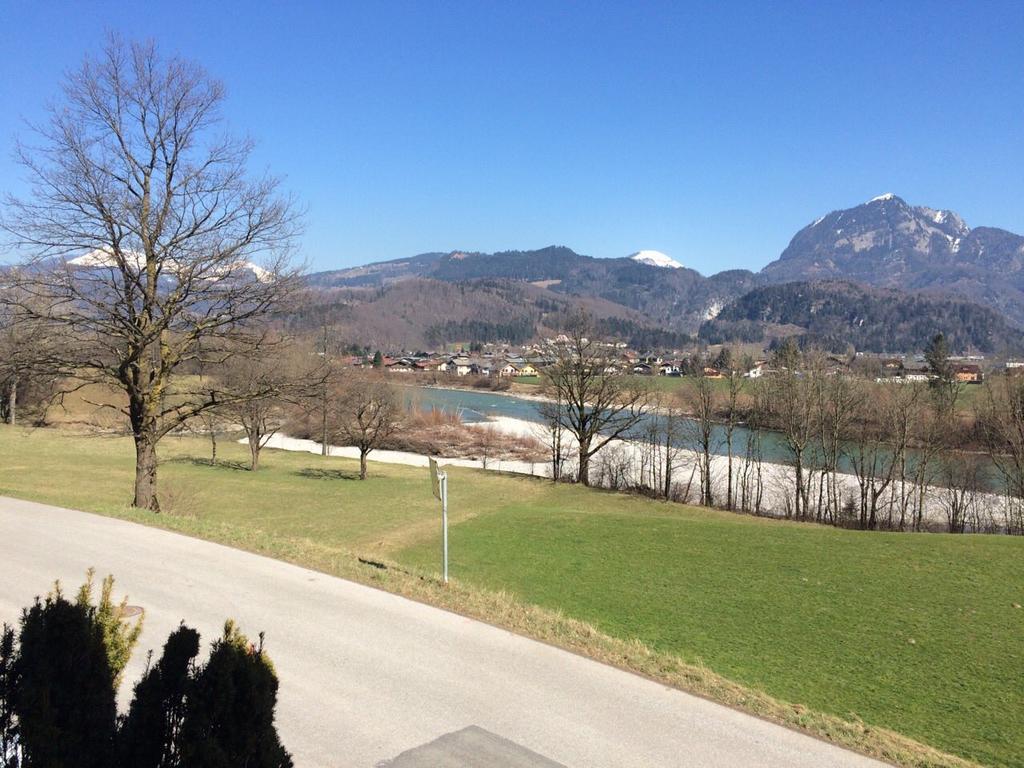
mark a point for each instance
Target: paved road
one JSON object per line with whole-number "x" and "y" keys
{"x": 370, "y": 679}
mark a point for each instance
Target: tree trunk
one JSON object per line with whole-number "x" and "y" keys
{"x": 254, "y": 451}
{"x": 145, "y": 473}
{"x": 323, "y": 424}
{"x": 728, "y": 489}
{"x": 799, "y": 475}
{"x": 584, "y": 469}
{"x": 362, "y": 463}
{"x": 12, "y": 406}
{"x": 668, "y": 465}
{"x": 213, "y": 447}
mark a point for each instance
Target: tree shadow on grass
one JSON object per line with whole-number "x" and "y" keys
{"x": 314, "y": 473}
{"x": 235, "y": 466}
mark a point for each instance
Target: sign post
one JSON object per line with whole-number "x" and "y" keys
{"x": 439, "y": 483}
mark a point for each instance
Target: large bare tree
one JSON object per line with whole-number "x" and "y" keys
{"x": 596, "y": 404}
{"x": 147, "y": 240}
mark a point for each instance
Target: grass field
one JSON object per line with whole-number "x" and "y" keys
{"x": 922, "y": 634}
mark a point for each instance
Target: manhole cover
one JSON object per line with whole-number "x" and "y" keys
{"x": 131, "y": 611}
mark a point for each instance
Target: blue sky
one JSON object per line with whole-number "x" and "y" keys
{"x": 710, "y": 132}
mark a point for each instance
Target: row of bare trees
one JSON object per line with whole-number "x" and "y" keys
{"x": 855, "y": 452}
{"x": 300, "y": 393}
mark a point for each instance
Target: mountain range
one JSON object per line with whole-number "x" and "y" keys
{"x": 888, "y": 243}
{"x": 899, "y": 261}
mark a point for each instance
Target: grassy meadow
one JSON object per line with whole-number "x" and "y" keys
{"x": 921, "y": 634}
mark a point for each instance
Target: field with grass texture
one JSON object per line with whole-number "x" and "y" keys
{"x": 922, "y": 634}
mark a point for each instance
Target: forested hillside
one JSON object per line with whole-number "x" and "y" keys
{"x": 835, "y": 314}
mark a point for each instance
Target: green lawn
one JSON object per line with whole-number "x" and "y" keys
{"x": 918, "y": 633}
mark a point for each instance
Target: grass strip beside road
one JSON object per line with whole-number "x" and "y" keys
{"x": 869, "y": 633}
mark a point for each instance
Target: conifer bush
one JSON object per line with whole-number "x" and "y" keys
{"x": 59, "y": 675}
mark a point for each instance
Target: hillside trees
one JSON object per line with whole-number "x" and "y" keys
{"x": 834, "y": 314}
{"x": 140, "y": 229}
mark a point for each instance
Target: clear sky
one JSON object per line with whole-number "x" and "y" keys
{"x": 712, "y": 132}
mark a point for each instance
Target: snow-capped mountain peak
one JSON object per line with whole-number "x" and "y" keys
{"x": 656, "y": 259}
{"x": 882, "y": 198}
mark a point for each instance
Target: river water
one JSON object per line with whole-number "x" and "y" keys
{"x": 475, "y": 406}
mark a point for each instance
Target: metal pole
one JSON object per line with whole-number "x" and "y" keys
{"x": 444, "y": 523}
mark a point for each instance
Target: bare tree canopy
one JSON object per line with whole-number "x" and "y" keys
{"x": 595, "y": 404}
{"x": 363, "y": 412}
{"x": 30, "y": 361}
{"x": 147, "y": 240}
{"x": 257, "y": 391}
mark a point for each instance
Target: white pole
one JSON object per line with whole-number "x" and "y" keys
{"x": 444, "y": 523}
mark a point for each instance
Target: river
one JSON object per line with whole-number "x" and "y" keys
{"x": 476, "y": 406}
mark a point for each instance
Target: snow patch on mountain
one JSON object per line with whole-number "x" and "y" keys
{"x": 713, "y": 309}
{"x": 882, "y": 198}
{"x": 135, "y": 261}
{"x": 656, "y": 259}
{"x": 104, "y": 258}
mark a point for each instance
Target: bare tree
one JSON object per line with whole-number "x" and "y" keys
{"x": 702, "y": 402}
{"x": 487, "y": 443}
{"x": 554, "y": 434}
{"x": 30, "y": 361}
{"x": 752, "y": 471}
{"x": 732, "y": 416}
{"x": 141, "y": 229}
{"x": 874, "y": 463}
{"x": 666, "y": 429}
{"x": 793, "y": 411}
{"x": 963, "y": 483}
{"x": 839, "y": 400}
{"x": 257, "y": 392}
{"x": 902, "y": 414}
{"x": 210, "y": 423}
{"x": 595, "y": 405}
{"x": 1001, "y": 423}
{"x": 364, "y": 413}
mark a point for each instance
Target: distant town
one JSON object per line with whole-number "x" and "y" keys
{"x": 504, "y": 361}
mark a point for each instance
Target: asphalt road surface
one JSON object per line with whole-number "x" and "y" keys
{"x": 369, "y": 679}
